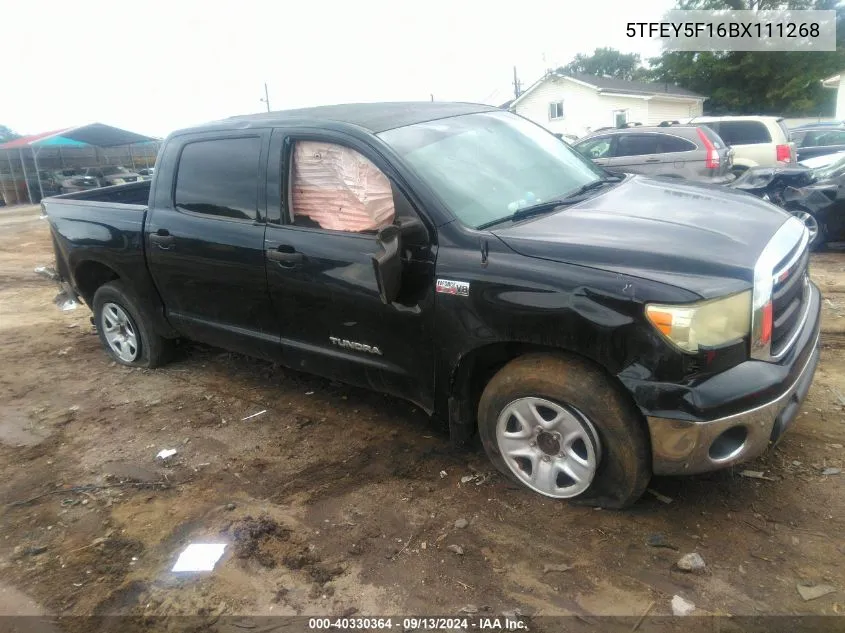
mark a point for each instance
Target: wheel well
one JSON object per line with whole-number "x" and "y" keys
{"x": 475, "y": 370}
{"x": 90, "y": 276}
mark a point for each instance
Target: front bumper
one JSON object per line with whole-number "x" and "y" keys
{"x": 688, "y": 446}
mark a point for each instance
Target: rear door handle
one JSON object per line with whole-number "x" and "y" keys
{"x": 162, "y": 239}
{"x": 285, "y": 256}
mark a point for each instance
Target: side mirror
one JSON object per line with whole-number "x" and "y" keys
{"x": 413, "y": 231}
{"x": 387, "y": 265}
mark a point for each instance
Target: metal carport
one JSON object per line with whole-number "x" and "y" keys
{"x": 81, "y": 146}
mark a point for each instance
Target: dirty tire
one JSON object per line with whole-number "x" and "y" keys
{"x": 153, "y": 350}
{"x": 625, "y": 466}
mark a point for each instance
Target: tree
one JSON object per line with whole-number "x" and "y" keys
{"x": 607, "y": 62}
{"x": 784, "y": 83}
{"x": 7, "y": 134}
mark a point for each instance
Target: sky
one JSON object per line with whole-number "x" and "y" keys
{"x": 156, "y": 66}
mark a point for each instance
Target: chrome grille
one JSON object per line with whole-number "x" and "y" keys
{"x": 790, "y": 293}
{"x": 781, "y": 290}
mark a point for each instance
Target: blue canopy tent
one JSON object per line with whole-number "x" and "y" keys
{"x": 94, "y": 136}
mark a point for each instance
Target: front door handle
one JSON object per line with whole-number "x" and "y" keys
{"x": 162, "y": 239}
{"x": 285, "y": 256}
{"x": 652, "y": 160}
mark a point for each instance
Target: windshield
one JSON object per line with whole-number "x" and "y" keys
{"x": 486, "y": 166}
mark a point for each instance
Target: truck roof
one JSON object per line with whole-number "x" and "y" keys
{"x": 375, "y": 117}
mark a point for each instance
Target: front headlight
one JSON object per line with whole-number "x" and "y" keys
{"x": 707, "y": 323}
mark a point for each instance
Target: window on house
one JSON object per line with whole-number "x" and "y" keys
{"x": 556, "y": 110}
{"x": 335, "y": 188}
{"x": 620, "y": 118}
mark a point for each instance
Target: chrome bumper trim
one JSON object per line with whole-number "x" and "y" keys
{"x": 681, "y": 447}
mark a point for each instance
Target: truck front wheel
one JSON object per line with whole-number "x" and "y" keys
{"x": 559, "y": 427}
{"x": 124, "y": 331}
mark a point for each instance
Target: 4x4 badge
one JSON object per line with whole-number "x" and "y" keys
{"x": 449, "y": 287}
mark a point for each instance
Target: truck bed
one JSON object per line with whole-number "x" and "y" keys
{"x": 99, "y": 235}
{"x": 133, "y": 193}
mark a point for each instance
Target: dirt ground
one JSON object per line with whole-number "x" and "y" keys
{"x": 337, "y": 501}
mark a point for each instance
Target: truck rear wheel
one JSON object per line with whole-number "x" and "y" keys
{"x": 559, "y": 427}
{"x": 124, "y": 330}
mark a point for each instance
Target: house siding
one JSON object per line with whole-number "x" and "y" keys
{"x": 672, "y": 110}
{"x": 579, "y": 104}
{"x": 585, "y": 109}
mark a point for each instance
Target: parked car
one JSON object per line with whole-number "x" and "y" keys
{"x": 591, "y": 328}
{"x": 109, "y": 175}
{"x": 146, "y": 173}
{"x": 827, "y": 124}
{"x": 78, "y": 183}
{"x": 50, "y": 183}
{"x": 684, "y": 151}
{"x": 815, "y": 195}
{"x": 818, "y": 141}
{"x": 757, "y": 141}
{"x": 822, "y": 161}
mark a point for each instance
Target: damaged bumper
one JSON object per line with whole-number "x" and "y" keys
{"x": 687, "y": 446}
{"x": 67, "y": 299}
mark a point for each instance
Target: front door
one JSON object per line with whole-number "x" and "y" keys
{"x": 329, "y": 201}
{"x": 205, "y": 239}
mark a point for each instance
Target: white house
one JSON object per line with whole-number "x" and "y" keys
{"x": 577, "y": 104}
{"x": 837, "y": 82}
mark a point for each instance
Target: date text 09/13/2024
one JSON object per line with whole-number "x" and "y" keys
{"x": 420, "y": 623}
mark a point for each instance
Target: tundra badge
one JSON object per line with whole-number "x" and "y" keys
{"x": 358, "y": 347}
{"x": 448, "y": 287}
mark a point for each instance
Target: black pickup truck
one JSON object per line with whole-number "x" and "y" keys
{"x": 591, "y": 328}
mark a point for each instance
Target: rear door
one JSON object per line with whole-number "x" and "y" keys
{"x": 328, "y": 194}
{"x": 205, "y": 240}
{"x": 638, "y": 154}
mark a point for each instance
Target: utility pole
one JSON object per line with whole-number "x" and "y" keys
{"x": 266, "y": 98}
{"x": 432, "y": 97}
{"x": 517, "y": 85}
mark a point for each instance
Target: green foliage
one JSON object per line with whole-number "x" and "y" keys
{"x": 7, "y": 135}
{"x": 783, "y": 83}
{"x": 607, "y": 62}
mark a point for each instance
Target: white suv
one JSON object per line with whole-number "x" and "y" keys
{"x": 757, "y": 141}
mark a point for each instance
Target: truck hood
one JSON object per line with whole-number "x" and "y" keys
{"x": 703, "y": 238}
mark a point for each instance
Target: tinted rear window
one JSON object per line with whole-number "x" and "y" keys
{"x": 671, "y": 144}
{"x": 636, "y": 144}
{"x": 219, "y": 177}
{"x": 742, "y": 132}
{"x": 823, "y": 138}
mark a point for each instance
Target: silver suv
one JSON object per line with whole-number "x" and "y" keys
{"x": 692, "y": 152}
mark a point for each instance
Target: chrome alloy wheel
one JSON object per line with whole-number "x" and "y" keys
{"x": 120, "y": 332}
{"x": 552, "y": 449}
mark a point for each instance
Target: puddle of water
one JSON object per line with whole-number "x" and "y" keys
{"x": 16, "y": 429}
{"x": 199, "y": 557}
